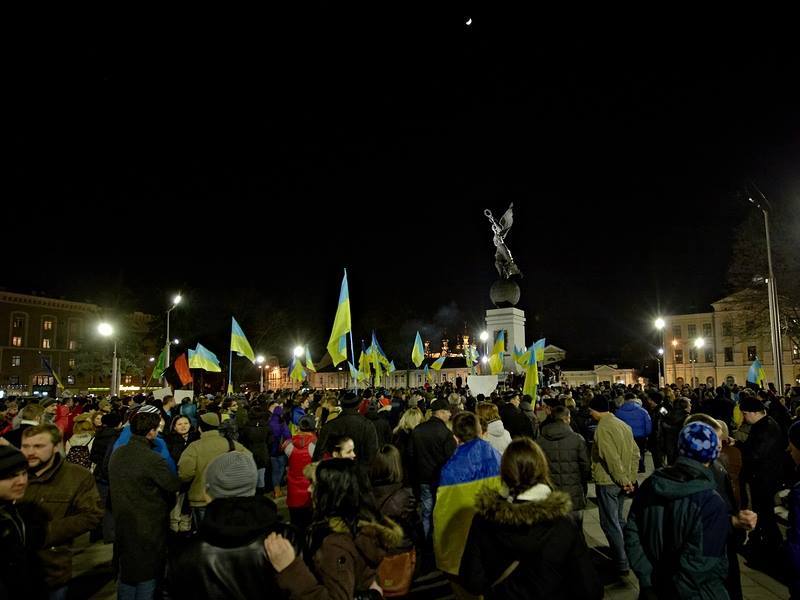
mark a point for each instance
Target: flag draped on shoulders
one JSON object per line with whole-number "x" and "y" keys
{"x": 473, "y": 466}
{"x": 337, "y": 344}
{"x": 239, "y": 343}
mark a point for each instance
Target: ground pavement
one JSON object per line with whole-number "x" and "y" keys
{"x": 94, "y": 578}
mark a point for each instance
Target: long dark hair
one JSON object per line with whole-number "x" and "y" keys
{"x": 341, "y": 489}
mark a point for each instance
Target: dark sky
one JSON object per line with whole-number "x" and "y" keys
{"x": 259, "y": 156}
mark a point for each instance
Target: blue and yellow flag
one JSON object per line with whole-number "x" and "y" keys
{"x": 296, "y": 372}
{"x": 202, "y": 358}
{"x": 353, "y": 371}
{"x": 53, "y": 374}
{"x": 391, "y": 368}
{"x": 380, "y": 355}
{"x": 428, "y": 374}
{"x": 239, "y": 343}
{"x": 531, "y": 375}
{"x": 418, "y": 351}
{"x": 363, "y": 366}
{"x": 496, "y": 363}
{"x": 500, "y": 343}
{"x": 337, "y": 344}
{"x": 475, "y": 466}
{"x": 538, "y": 346}
{"x": 309, "y": 364}
{"x": 756, "y": 374}
{"x": 437, "y": 364}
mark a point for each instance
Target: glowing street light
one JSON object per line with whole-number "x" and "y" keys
{"x": 176, "y": 341}
{"x": 106, "y": 330}
{"x": 484, "y": 336}
{"x": 298, "y": 351}
{"x": 660, "y": 323}
{"x": 175, "y": 301}
{"x": 698, "y": 344}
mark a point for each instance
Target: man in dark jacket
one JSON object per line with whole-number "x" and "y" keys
{"x": 22, "y": 529}
{"x": 566, "y": 453}
{"x": 678, "y": 524}
{"x": 515, "y": 422}
{"x": 526, "y": 406}
{"x": 143, "y": 492}
{"x": 227, "y": 560}
{"x": 431, "y": 446}
{"x": 351, "y": 424}
{"x": 67, "y": 494}
{"x": 658, "y": 407}
{"x": 762, "y": 459}
{"x": 671, "y": 425}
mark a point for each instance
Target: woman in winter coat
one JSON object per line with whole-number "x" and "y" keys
{"x": 256, "y": 436}
{"x": 280, "y": 436}
{"x": 401, "y": 437}
{"x": 181, "y": 434}
{"x": 347, "y": 541}
{"x": 522, "y": 543}
{"x": 392, "y": 498}
{"x": 78, "y": 449}
{"x": 492, "y": 426}
{"x": 300, "y": 450}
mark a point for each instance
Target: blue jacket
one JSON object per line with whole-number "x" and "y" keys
{"x": 159, "y": 446}
{"x": 636, "y": 418}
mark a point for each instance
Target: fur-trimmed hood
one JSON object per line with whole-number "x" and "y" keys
{"x": 373, "y": 540}
{"x": 530, "y": 508}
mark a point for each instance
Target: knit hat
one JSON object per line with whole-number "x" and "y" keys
{"x": 749, "y": 404}
{"x": 231, "y": 475}
{"x": 699, "y": 442}
{"x": 307, "y": 423}
{"x": 794, "y": 434}
{"x": 210, "y": 418}
{"x": 147, "y": 408}
{"x": 11, "y": 461}
{"x": 600, "y": 403}
{"x": 349, "y": 400}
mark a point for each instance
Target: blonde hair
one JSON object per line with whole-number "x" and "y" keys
{"x": 487, "y": 411}
{"x": 84, "y": 423}
{"x": 410, "y": 419}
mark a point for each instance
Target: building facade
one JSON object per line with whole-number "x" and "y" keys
{"x": 719, "y": 346}
{"x": 599, "y": 374}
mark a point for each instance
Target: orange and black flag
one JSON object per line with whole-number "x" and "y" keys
{"x": 178, "y": 374}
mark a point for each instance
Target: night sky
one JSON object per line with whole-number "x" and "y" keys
{"x": 247, "y": 161}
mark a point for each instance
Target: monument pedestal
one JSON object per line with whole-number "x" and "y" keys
{"x": 512, "y": 321}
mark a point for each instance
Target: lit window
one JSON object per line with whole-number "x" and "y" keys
{"x": 692, "y": 355}
{"x": 16, "y": 341}
{"x": 707, "y": 330}
{"x": 16, "y": 360}
{"x": 71, "y": 363}
{"x": 751, "y": 353}
{"x": 45, "y": 342}
{"x": 48, "y": 326}
{"x": 73, "y": 345}
{"x": 679, "y": 356}
{"x": 19, "y": 322}
{"x": 128, "y": 379}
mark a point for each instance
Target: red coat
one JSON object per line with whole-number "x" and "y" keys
{"x": 297, "y": 495}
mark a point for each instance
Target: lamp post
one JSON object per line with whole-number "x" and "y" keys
{"x": 175, "y": 301}
{"x": 772, "y": 296}
{"x": 260, "y": 363}
{"x": 662, "y": 376}
{"x": 106, "y": 330}
{"x": 698, "y": 344}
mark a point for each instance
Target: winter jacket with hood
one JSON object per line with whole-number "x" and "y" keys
{"x": 637, "y": 418}
{"x": 227, "y": 559}
{"x": 195, "y": 459}
{"x": 497, "y": 436}
{"x": 280, "y": 432}
{"x": 431, "y": 446}
{"x": 299, "y": 450}
{"x": 671, "y": 425}
{"x": 343, "y": 564}
{"x": 676, "y": 533}
{"x": 536, "y": 529}
{"x": 383, "y": 428}
{"x": 570, "y": 468}
{"x": 615, "y": 456}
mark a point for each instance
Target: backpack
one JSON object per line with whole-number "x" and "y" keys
{"x": 79, "y": 455}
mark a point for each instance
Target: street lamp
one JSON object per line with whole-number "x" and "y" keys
{"x": 106, "y": 330}
{"x": 298, "y": 351}
{"x": 484, "y": 338}
{"x": 260, "y": 362}
{"x": 662, "y": 376}
{"x": 698, "y": 344}
{"x": 175, "y": 301}
{"x": 772, "y": 296}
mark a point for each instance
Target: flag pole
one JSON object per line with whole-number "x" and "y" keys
{"x": 352, "y": 352}
{"x": 230, "y": 371}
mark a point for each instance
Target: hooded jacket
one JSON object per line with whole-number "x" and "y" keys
{"x": 343, "y": 564}
{"x": 227, "y": 559}
{"x": 280, "y": 432}
{"x": 534, "y": 528}
{"x": 570, "y": 468}
{"x": 359, "y": 429}
{"x": 497, "y": 436}
{"x": 637, "y": 418}
{"x": 676, "y": 533}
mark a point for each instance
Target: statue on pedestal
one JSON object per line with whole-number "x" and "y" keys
{"x": 503, "y": 261}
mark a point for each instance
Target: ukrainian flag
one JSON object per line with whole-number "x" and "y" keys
{"x": 297, "y": 373}
{"x": 756, "y": 374}
{"x": 353, "y": 372}
{"x": 496, "y": 363}
{"x": 500, "y": 343}
{"x": 391, "y": 368}
{"x": 474, "y": 466}
{"x": 418, "y": 352}
{"x": 202, "y": 358}
{"x": 309, "y": 364}
{"x": 337, "y": 344}
{"x": 239, "y": 343}
{"x": 538, "y": 346}
{"x": 437, "y": 364}
{"x": 428, "y": 374}
{"x": 532, "y": 375}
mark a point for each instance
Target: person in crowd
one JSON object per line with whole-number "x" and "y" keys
{"x": 671, "y": 425}
{"x": 342, "y": 446}
{"x": 299, "y": 410}
{"x": 67, "y": 494}
{"x": 792, "y": 547}
{"x": 432, "y": 445}
{"x": 300, "y": 450}
{"x": 349, "y": 423}
{"x": 638, "y": 419}
{"x": 762, "y": 459}
{"x": 492, "y": 426}
{"x": 143, "y": 492}
{"x": 527, "y": 407}
{"x": 195, "y": 459}
{"x": 78, "y": 449}
{"x": 347, "y": 542}
{"x": 401, "y": 438}
{"x": 256, "y": 435}
{"x": 159, "y": 444}
{"x": 31, "y": 416}
{"x": 181, "y": 434}
{"x": 522, "y": 543}
{"x": 569, "y": 464}
{"x": 280, "y": 437}
{"x": 227, "y": 559}
{"x": 327, "y": 410}
{"x": 515, "y": 422}
{"x": 678, "y": 525}
{"x": 658, "y": 406}
{"x": 380, "y": 421}
{"x": 392, "y": 498}
{"x": 473, "y": 466}
{"x": 22, "y": 531}
{"x": 615, "y": 461}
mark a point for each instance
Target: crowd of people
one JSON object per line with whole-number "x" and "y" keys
{"x": 383, "y": 486}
